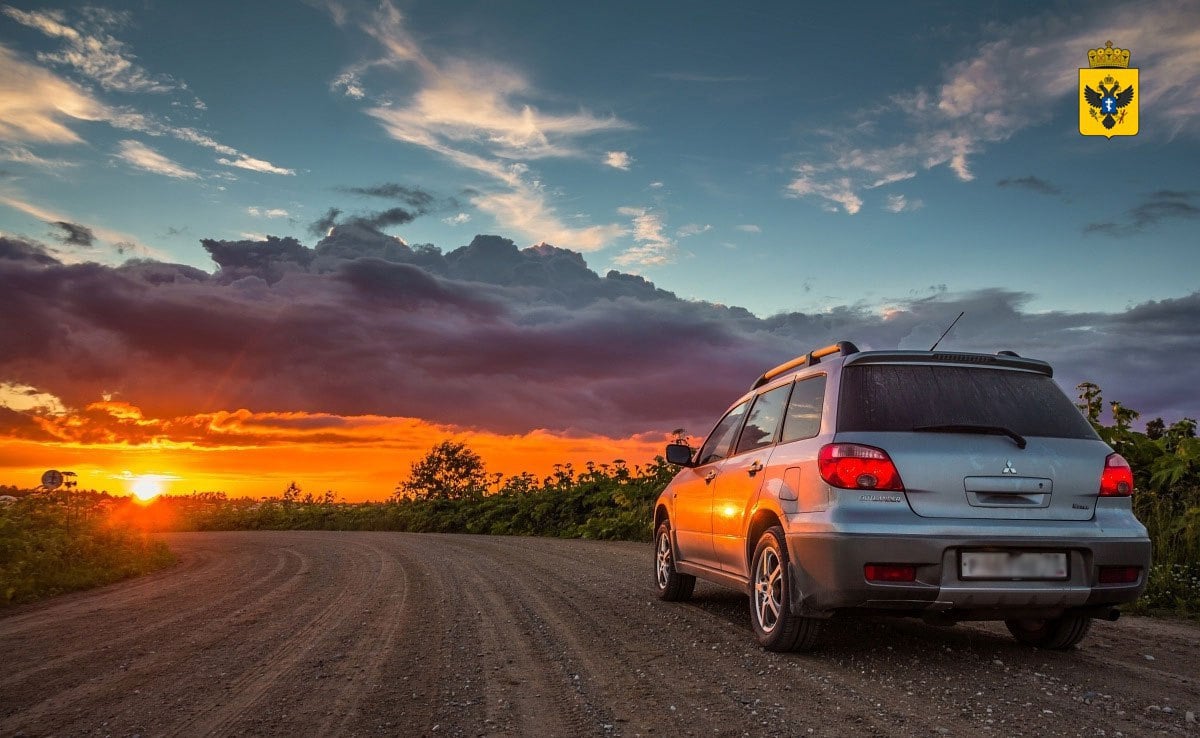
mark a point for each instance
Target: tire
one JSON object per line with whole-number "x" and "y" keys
{"x": 775, "y": 627}
{"x": 672, "y": 586}
{"x": 1055, "y": 634}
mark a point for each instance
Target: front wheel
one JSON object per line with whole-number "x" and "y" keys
{"x": 1056, "y": 634}
{"x": 775, "y": 627}
{"x": 672, "y": 586}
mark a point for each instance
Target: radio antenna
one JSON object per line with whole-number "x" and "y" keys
{"x": 935, "y": 343}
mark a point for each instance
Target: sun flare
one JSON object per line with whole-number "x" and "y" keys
{"x": 146, "y": 487}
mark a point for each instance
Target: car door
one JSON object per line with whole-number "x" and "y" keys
{"x": 742, "y": 474}
{"x": 693, "y": 491}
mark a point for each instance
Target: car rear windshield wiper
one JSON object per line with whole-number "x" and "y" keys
{"x": 995, "y": 430}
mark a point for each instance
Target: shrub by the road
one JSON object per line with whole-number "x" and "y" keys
{"x": 50, "y": 544}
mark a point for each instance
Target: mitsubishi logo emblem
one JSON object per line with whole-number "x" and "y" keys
{"x": 1008, "y": 468}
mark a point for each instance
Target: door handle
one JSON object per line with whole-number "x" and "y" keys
{"x": 755, "y": 467}
{"x": 712, "y": 474}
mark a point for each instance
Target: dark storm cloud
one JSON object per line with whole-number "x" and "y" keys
{"x": 18, "y": 250}
{"x": 414, "y": 197}
{"x": 1031, "y": 183}
{"x": 73, "y": 234}
{"x": 1155, "y": 208}
{"x": 385, "y": 218}
{"x": 497, "y": 337}
{"x": 321, "y": 226}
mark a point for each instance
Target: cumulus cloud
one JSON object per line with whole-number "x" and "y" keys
{"x": 143, "y": 157}
{"x": 618, "y": 160}
{"x": 457, "y": 219}
{"x": 970, "y": 110}
{"x": 494, "y": 337}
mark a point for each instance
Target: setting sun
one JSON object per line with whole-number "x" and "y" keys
{"x": 147, "y": 486}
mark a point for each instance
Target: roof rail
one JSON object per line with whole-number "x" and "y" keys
{"x": 845, "y": 348}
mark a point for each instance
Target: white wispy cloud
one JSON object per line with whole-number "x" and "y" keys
{"x": 244, "y": 161}
{"x": 22, "y": 155}
{"x": 38, "y": 106}
{"x": 618, "y": 160}
{"x": 971, "y": 108}
{"x": 92, "y": 52}
{"x": 259, "y": 212}
{"x": 36, "y": 103}
{"x": 901, "y": 204}
{"x": 457, "y": 219}
{"x": 143, "y": 157}
{"x": 654, "y": 247}
{"x": 692, "y": 229}
{"x": 748, "y": 228}
{"x": 481, "y": 116}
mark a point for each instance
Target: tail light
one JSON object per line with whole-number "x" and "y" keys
{"x": 1119, "y": 574}
{"x": 854, "y": 466}
{"x": 890, "y": 572}
{"x": 1117, "y": 478}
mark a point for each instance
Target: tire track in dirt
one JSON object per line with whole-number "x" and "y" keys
{"x": 434, "y": 635}
{"x": 522, "y": 697}
{"x": 281, "y": 557}
{"x": 260, "y": 677}
{"x": 112, "y": 682}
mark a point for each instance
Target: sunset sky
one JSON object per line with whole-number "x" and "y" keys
{"x": 243, "y": 244}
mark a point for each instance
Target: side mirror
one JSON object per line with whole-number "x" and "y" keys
{"x": 679, "y": 454}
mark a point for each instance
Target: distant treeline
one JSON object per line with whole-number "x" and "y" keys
{"x": 450, "y": 491}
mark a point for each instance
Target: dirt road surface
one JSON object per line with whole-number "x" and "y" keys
{"x": 322, "y": 633}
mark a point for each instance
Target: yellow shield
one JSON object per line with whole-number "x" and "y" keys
{"x": 1108, "y": 102}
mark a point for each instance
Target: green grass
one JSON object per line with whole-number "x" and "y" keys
{"x": 48, "y": 547}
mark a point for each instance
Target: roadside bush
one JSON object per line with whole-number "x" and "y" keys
{"x": 52, "y": 544}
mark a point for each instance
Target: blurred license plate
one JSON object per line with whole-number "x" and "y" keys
{"x": 1013, "y": 565}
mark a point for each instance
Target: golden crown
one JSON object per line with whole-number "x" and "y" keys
{"x": 1108, "y": 57}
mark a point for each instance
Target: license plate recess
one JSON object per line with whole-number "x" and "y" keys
{"x": 1046, "y": 566}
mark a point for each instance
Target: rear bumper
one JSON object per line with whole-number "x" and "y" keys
{"x": 827, "y": 572}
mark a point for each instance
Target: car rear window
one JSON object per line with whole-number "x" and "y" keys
{"x": 889, "y": 397}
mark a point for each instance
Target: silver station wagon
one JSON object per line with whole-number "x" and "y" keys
{"x": 948, "y": 486}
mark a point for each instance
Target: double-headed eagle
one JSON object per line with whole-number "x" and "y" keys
{"x": 1108, "y": 101}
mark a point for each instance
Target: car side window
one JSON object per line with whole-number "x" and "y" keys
{"x": 719, "y": 441}
{"x": 804, "y": 411}
{"x": 763, "y": 420}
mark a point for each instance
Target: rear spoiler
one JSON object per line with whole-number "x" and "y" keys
{"x": 1006, "y": 359}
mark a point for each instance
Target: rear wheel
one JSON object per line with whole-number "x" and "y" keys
{"x": 1056, "y": 634}
{"x": 672, "y": 586}
{"x": 775, "y": 627}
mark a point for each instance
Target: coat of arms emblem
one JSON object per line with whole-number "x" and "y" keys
{"x": 1108, "y": 104}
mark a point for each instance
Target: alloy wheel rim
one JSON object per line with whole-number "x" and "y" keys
{"x": 663, "y": 569}
{"x": 768, "y": 590}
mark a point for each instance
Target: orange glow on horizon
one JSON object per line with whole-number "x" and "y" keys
{"x": 247, "y": 454}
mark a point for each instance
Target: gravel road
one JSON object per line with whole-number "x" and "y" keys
{"x": 321, "y": 633}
